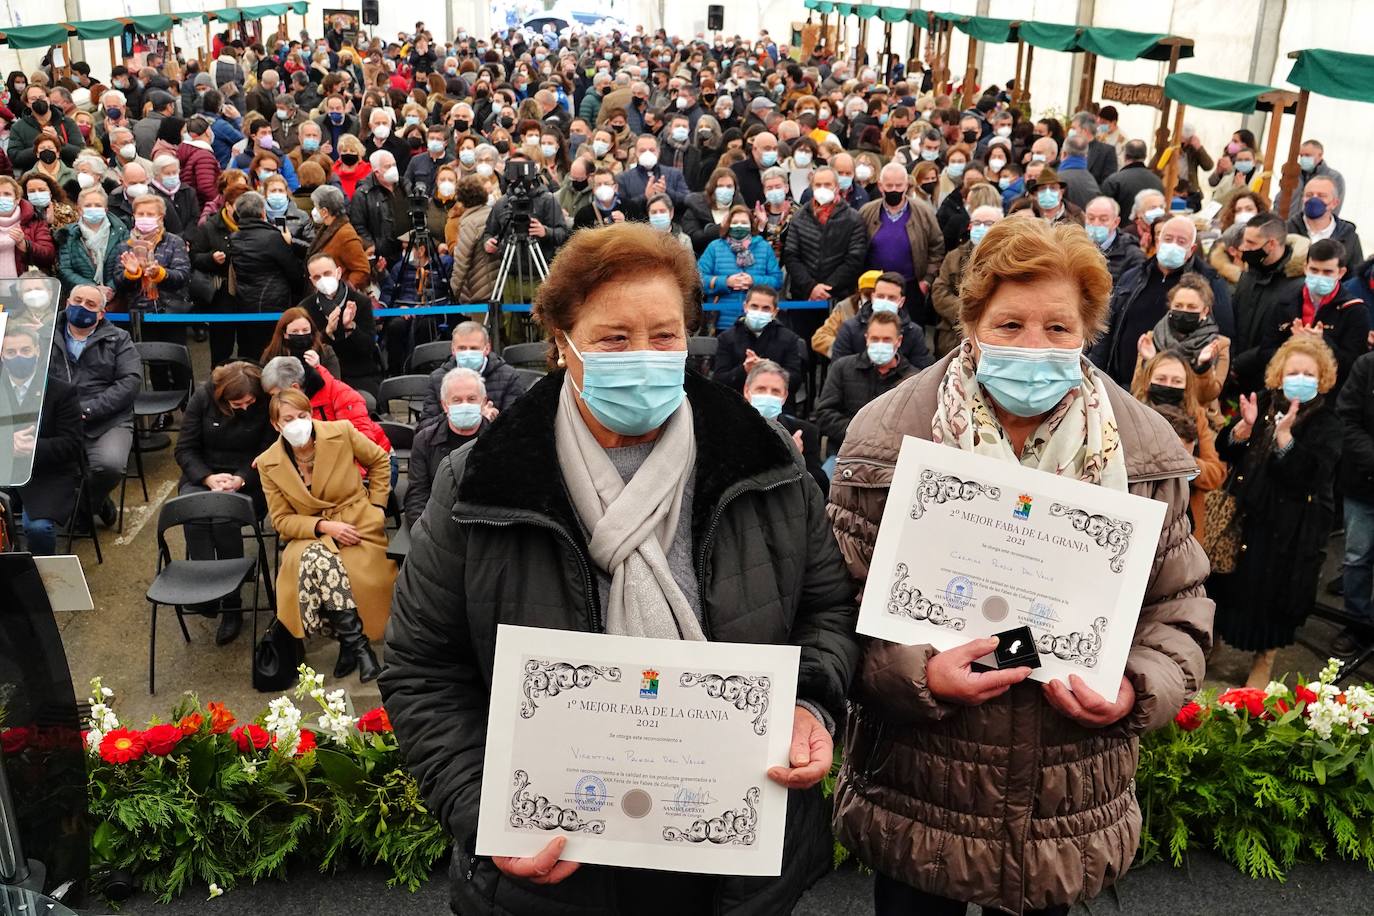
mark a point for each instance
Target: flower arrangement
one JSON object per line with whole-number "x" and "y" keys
{"x": 1266, "y": 777}
{"x": 207, "y": 797}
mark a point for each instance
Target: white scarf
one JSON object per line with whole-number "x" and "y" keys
{"x": 631, "y": 525}
{"x": 1078, "y": 439}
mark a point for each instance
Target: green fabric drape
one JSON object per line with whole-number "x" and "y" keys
{"x": 1337, "y": 74}
{"x": 1121, "y": 44}
{"x": 1049, "y": 35}
{"x": 154, "y": 23}
{"x": 35, "y": 36}
{"x": 98, "y": 28}
{"x": 983, "y": 28}
{"x": 893, "y": 14}
{"x": 1212, "y": 93}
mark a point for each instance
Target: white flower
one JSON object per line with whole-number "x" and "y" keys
{"x": 250, "y": 767}
{"x": 106, "y": 692}
{"x": 215, "y": 891}
{"x": 1276, "y": 689}
{"x": 284, "y": 721}
{"x": 93, "y": 739}
{"x": 310, "y": 682}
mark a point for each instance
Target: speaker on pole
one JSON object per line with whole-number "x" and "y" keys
{"x": 715, "y": 17}
{"x": 371, "y": 15}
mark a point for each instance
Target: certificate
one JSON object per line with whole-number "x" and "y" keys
{"x": 647, "y": 753}
{"x": 971, "y": 547}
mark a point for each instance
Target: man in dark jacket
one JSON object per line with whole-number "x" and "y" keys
{"x": 676, "y": 147}
{"x": 1102, "y": 220}
{"x": 462, "y": 399}
{"x": 102, "y": 362}
{"x": 756, "y": 336}
{"x": 1316, "y": 219}
{"x": 379, "y": 210}
{"x": 546, "y": 224}
{"x": 344, "y": 317}
{"x": 1140, "y": 299}
{"x": 471, "y": 348}
{"x": 852, "y": 336}
{"x": 648, "y": 177}
{"x": 1265, "y": 287}
{"x": 763, "y": 155}
{"x": 1133, "y": 177}
{"x": 43, "y": 445}
{"x": 1324, "y": 309}
{"x": 1355, "y": 407}
{"x": 855, "y": 380}
{"x": 334, "y": 123}
{"x": 766, "y": 388}
{"x": 41, "y": 118}
{"x": 1100, "y": 157}
{"x": 164, "y": 106}
{"x": 825, "y": 245}
{"x": 773, "y": 578}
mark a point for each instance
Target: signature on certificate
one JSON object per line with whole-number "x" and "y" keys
{"x": 689, "y": 796}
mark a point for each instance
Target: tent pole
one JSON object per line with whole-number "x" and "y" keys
{"x": 969, "y": 74}
{"x": 1162, "y": 131}
{"x": 1289, "y": 187}
{"x": 825, "y": 31}
{"x": 915, "y": 50}
{"x": 110, "y": 40}
{"x": 1086, "y": 81}
{"x": 1271, "y": 148}
{"x": 889, "y": 65}
{"x": 1020, "y": 60}
{"x": 1170, "y": 176}
{"x": 1022, "y": 96}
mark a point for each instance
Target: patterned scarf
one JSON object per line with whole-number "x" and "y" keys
{"x": 1077, "y": 439}
{"x": 743, "y": 256}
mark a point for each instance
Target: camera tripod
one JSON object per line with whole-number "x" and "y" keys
{"x": 522, "y": 260}
{"x": 428, "y": 269}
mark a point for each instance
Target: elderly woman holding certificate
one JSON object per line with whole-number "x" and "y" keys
{"x": 967, "y": 786}
{"x": 622, "y": 495}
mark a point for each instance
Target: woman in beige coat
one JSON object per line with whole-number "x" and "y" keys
{"x": 335, "y": 577}
{"x": 961, "y": 786}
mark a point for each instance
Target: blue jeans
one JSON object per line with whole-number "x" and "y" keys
{"x": 1359, "y": 558}
{"x": 40, "y": 534}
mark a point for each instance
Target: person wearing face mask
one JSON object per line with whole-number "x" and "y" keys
{"x": 1323, "y": 310}
{"x": 1311, "y": 164}
{"x": 352, "y": 166}
{"x": 888, "y": 298}
{"x": 298, "y": 334}
{"x": 347, "y": 344}
{"x": 1167, "y": 383}
{"x": 1286, "y": 445}
{"x": 582, "y": 475}
{"x": 378, "y": 210}
{"x": 1140, "y": 298}
{"x": 1048, "y": 189}
{"x": 101, "y": 361}
{"x": 731, "y": 265}
{"x": 855, "y": 379}
{"x": 659, "y": 213}
{"x": 334, "y": 574}
{"x": 41, "y": 119}
{"x": 50, "y": 201}
{"x": 767, "y": 389}
{"x": 576, "y": 189}
{"x": 1102, "y": 221}
{"x": 336, "y": 237}
{"x": 41, "y": 433}
{"x": 649, "y": 177}
{"x": 461, "y": 418}
{"x": 1244, "y": 169}
{"x": 26, "y": 241}
{"x": 470, "y": 348}
{"x": 1125, "y": 185}
{"x": 826, "y": 244}
{"x": 1079, "y": 184}
{"x": 1273, "y": 278}
{"x": 86, "y": 246}
{"x": 224, "y": 429}
{"x": 763, "y": 155}
{"x": 758, "y": 336}
{"x": 422, "y": 167}
{"x": 607, "y": 205}
{"x": 183, "y": 207}
{"x": 703, "y": 210}
{"x": 944, "y": 295}
{"x": 1017, "y": 390}
{"x": 336, "y": 122}
{"x": 1317, "y": 220}
{"x": 676, "y": 146}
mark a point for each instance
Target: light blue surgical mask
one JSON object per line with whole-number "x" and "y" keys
{"x": 930, "y": 155}
{"x": 1307, "y": 163}
{"x": 1319, "y": 286}
{"x": 172, "y": 183}
{"x": 768, "y": 405}
{"x": 660, "y": 220}
{"x": 769, "y": 158}
{"x": 724, "y": 196}
{"x": 757, "y": 319}
{"x": 93, "y": 215}
{"x": 1171, "y": 256}
{"x": 846, "y": 182}
{"x": 470, "y": 359}
{"x": 7, "y": 204}
{"x": 976, "y": 233}
{"x": 880, "y": 353}
{"x": 464, "y": 416}
{"x": 412, "y": 120}
{"x": 276, "y": 202}
{"x": 1300, "y": 388}
{"x": 467, "y": 156}
{"x": 775, "y": 196}
{"x": 955, "y": 169}
{"x": 40, "y": 199}
{"x": 1048, "y": 198}
{"x": 680, "y": 134}
{"x": 1153, "y": 215}
{"x": 1098, "y": 234}
{"x": 1245, "y": 166}
{"x": 1004, "y": 183}
{"x": 885, "y": 305}
{"x": 1028, "y": 381}
{"x": 632, "y": 392}
{"x": 435, "y": 147}
{"x": 311, "y": 144}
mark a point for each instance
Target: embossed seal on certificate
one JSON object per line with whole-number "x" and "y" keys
{"x": 590, "y": 794}
{"x": 959, "y": 592}
{"x": 636, "y": 803}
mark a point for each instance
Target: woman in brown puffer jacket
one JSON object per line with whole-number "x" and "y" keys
{"x": 960, "y": 786}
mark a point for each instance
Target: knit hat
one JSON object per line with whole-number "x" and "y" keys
{"x": 204, "y": 79}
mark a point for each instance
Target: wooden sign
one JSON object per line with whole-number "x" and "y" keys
{"x": 1133, "y": 93}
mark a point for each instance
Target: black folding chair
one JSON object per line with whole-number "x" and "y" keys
{"x": 413, "y": 389}
{"x": 402, "y": 437}
{"x": 428, "y": 356}
{"x": 530, "y": 376}
{"x": 528, "y": 355}
{"x": 80, "y": 524}
{"x": 155, "y": 402}
{"x": 701, "y": 352}
{"x": 184, "y": 583}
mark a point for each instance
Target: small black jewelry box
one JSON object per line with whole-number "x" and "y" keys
{"x": 1015, "y": 649}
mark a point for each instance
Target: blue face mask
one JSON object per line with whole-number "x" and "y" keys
{"x": 93, "y": 215}
{"x": 769, "y": 158}
{"x": 976, "y": 233}
{"x": 7, "y": 204}
{"x": 1048, "y": 198}
{"x": 336, "y": 117}
{"x": 724, "y": 196}
{"x": 768, "y": 405}
{"x": 80, "y": 317}
{"x": 276, "y": 202}
{"x": 464, "y": 416}
{"x": 880, "y": 353}
{"x": 1098, "y": 234}
{"x": 470, "y": 359}
{"x": 1300, "y": 388}
{"x": 660, "y": 220}
{"x": 1171, "y": 256}
{"x": 1307, "y": 163}
{"x": 955, "y": 169}
{"x": 846, "y": 182}
{"x": 310, "y": 145}
{"x": 756, "y": 320}
{"x": 40, "y": 199}
{"x": 632, "y": 392}
{"x": 1320, "y": 287}
{"x": 1004, "y": 183}
{"x": 1028, "y": 381}
{"x": 775, "y": 196}
{"x": 1245, "y": 166}
{"x": 1152, "y": 215}
{"x": 930, "y": 155}
{"x": 885, "y": 305}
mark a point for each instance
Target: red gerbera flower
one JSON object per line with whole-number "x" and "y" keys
{"x": 191, "y": 724}
{"x": 221, "y": 719}
{"x": 1305, "y": 694}
{"x": 1189, "y": 717}
{"x": 121, "y": 746}
{"x": 161, "y": 739}
{"x": 250, "y": 738}
{"x": 307, "y": 742}
{"x": 374, "y": 720}
{"x": 1250, "y": 699}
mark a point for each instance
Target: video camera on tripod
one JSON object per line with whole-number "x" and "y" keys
{"x": 522, "y": 181}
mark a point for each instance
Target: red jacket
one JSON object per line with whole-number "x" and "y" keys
{"x": 200, "y": 170}
{"x": 337, "y": 401}
{"x": 350, "y": 176}
{"x": 42, "y": 252}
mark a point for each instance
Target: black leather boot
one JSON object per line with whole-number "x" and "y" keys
{"x": 354, "y": 651}
{"x": 230, "y": 623}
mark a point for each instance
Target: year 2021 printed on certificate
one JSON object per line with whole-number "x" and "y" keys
{"x": 971, "y": 547}
{"x": 647, "y": 753}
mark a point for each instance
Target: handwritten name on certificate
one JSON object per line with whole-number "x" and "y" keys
{"x": 970, "y": 547}
{"x": 647, "y": 753}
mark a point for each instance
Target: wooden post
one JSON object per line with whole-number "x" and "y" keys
{"x": 825, "y": 32}
{"x": 1289, "y": 185}
{"x": 1162, "y": 132}
{"x": 969, "y": 74}
{"x": 113, "y": 61}
{"x": 1086, "y": 80}
{"x": 862, "y": 51}
{"x": 1020, "y": 59}
{"x": 1271, "y": 147}
{"x": 915, "y": 53}
{"x": 1170, "y": 177}
{"x": 942, "y": 37}
{"x": 1022, "y": 97}
{"x": 889, "y": 60}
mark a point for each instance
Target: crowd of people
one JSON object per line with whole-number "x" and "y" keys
{"x": 836, "y": 216}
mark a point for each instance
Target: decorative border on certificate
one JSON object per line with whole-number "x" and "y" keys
{"x": 739, "y": 690}
{"x": 549, "y": 679}
{"x": 942, "y": 488}
{"x": 535, "y": 812}
{"x": 1078, "y": 648}
{"x": 905, "y": 601}
{"x": 1110, "y": 533}
{"x": 735, "y": 827}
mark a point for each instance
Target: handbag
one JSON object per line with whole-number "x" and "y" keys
{"x": 1221, "y": 539}
{"x": 203, "y": 287}
{"x": 275, "y": 659}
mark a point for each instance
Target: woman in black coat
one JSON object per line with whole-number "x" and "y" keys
{"x": 209, "y": 288}
{"x": 1284, "y": 448}
{"x": 225, "y": 428}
